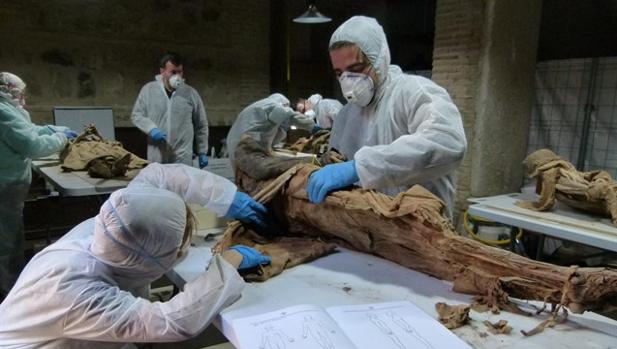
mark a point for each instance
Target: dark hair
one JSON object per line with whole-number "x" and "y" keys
{"x": 340, "y": 44}
{"x": 172, "y": 57}
{"x": 298, "y": 101}
{"x": 189, "y": 228}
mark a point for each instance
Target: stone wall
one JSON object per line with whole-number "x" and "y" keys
{"x": 458, "y": 35}
{"x": 484, "y": 55}
{"x": 85, "y": 53}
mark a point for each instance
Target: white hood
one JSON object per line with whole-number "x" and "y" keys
{"x": 139, "y": 231}
{"x": 369, "y": 36}
{"x": 11, "y": 87}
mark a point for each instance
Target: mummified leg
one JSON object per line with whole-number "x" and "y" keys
{"x": 410, "y": 229}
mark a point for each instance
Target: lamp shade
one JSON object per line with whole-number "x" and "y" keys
{"x": 312, "y": 16}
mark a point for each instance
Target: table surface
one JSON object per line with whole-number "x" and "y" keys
{"x": 561, "y": 222}
{"x": 76, "y": 183}
{"x": 349, "y": 277}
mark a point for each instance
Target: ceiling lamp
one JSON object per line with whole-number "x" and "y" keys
{"x": 312, "y": 16}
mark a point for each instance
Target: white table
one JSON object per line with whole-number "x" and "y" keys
{"x": 561, "y": 222}
{"x": 75, "y": 183}
{"x": 349, "y": 277}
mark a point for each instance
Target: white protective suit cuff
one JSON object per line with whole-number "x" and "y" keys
{"x": 368, "y": 180}
{"x": 202, "y": 299}
{"x": 218, "y": 273}
{"x": 55, "y": 128}
{"x": 220, "y": 277}
{"x": 63, "y": 138}
{"x": 222, "y": 197}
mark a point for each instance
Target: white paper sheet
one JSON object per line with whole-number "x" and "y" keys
{"x": 394, "y": 325}
{"x": 298, "y": 327}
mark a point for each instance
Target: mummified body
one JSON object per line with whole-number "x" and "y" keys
{"x": 593, "y": 191}
{"x": 312, "y": 144}
{"x": 408, "y": 229}
{"x": 100, "y": 157}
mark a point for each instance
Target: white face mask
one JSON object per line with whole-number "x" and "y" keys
{"x": 176, "y": 81}
{"x": 310, "y": 113}
{"x": 357, "y": 88}
{"x": 14, "y": 95}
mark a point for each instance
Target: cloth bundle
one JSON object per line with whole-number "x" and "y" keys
{"x": 100, "y": 157}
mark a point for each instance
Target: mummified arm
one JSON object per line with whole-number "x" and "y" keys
{"x": 548, "y": 182}
{"x": 611, "y": 203}
{"x": 604, "y": 189}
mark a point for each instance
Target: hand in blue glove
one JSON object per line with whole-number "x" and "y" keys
{"x": 329, "y": 178}
{"x": 251, "y": 258}
{"x": 244, "y": 208}
{"x": 203, "y": 160}
{"x": 70, "y": 134}
{"x": 157, "y": 134}
{"x": 315, "y": 129}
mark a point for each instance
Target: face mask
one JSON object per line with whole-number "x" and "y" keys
{"x": 21, "y": 100}
{"x": 310, "y": 113}
{"x": 14, "y": 95}
{"x": 357, "y": 88}
{"x": 176, "y": 81}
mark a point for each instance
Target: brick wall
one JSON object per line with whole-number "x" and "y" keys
{"x": 456, "y": 56}
{"x": 81, "y": 53}
{"x": 484, "y": 54}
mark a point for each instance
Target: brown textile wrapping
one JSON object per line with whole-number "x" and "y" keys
{"x": 411, "y": 230}
{"x": 101, "y": 158}
{"x": 499, "y": 327}
{"x": 314, "y": 144}
{"x": 452, "y": 316}
{"x": 594, "y": 191}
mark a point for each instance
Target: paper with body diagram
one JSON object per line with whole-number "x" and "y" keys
{"x": 393, "y": 325}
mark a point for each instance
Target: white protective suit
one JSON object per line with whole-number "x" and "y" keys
{"x": 267, "y": 122}
{"x": 410, "y": 133}
{"x": 20, "y": 141}
{"x": 182, "y": 117}
{"x": 79, "y": 291}
{"x": 325, "y": 110}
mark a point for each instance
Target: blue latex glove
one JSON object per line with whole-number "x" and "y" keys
{"x": 246, "y": 209}
{"x": 203, "y": 160}
{"x": 329, "y": 178}
{"x": 315, "y": 129}
{"x": 70, "y": 134}
{"x": 157, "y": 134}
{"x": 251, "y": 258}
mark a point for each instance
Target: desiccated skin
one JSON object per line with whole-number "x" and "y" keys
{"x": 594, "y": 191}
{"x": 411, "y": 230}
{"x": 100, "y": 157}
{"x": 452, "y": 316}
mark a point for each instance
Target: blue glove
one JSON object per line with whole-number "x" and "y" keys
{"x": 329, "y": 178}
{"x": 157, "y": 134}
{"x": 70, "y": 134}
{"x": 251, "y": 258}
{"x": 315, "y": 129}
{"x": 203, "y": 160}
{"x": 244, "y": 208}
